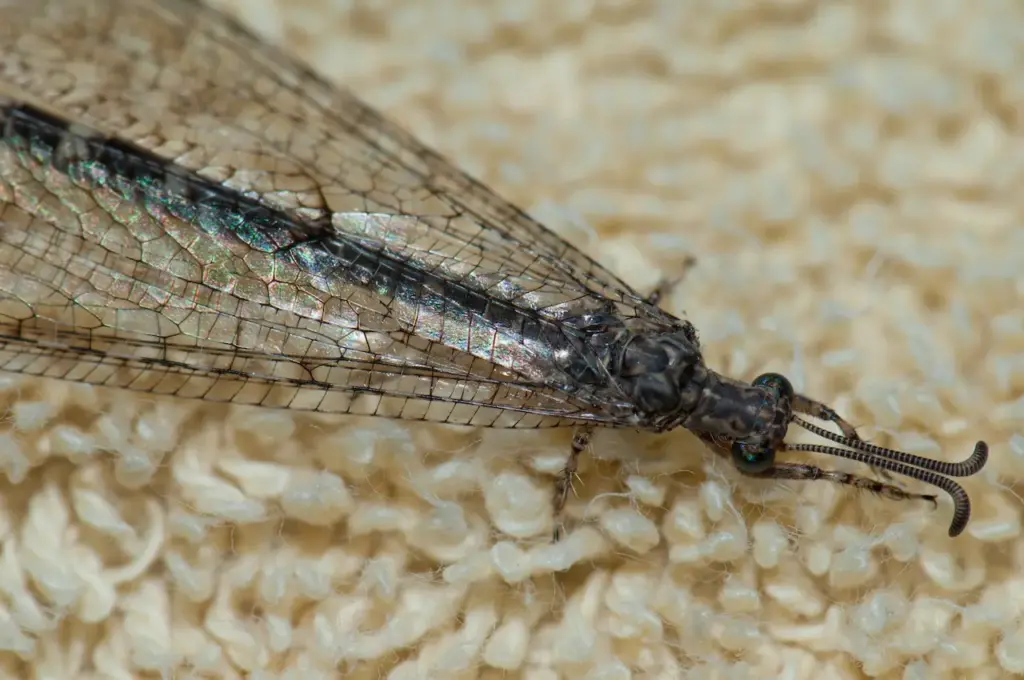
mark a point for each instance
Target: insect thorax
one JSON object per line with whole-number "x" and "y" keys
{"x": 655, "y": 371}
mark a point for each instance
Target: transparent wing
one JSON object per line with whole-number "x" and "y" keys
{"x": 186, "y": 82}
{"x": 114, "y": 270}
{"x": 228, "y": 226}
{"x": 282, "y": 381}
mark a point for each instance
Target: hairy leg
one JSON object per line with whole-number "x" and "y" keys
{"x": 580, "y": 440}
{"x": 817, "y": 409}
{"x": 666, "y": 285}
{"x": 802, "y": 472}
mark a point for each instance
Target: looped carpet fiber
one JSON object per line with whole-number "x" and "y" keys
{"x": 848, "y": 176}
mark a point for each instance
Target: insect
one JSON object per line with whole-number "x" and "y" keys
{"x": 186, "y": 211}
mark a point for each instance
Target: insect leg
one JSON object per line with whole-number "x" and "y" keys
{"x": 810, "y": 473}
{"x": 802, "y": 472}
{"x": 580, "y": 441}
{"x": 816, "y": 409}
{"x": 665, "y": 286}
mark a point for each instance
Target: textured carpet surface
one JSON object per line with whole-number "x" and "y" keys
{"x": 849, "y": 177}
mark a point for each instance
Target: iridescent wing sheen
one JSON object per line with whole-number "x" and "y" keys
{"x": 185, "y": 210}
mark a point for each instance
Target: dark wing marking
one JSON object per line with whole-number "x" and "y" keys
{"x": 91, "y": 273}
{"x": 182, "y": 80}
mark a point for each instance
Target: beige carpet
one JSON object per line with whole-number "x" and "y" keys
{"x": 850, "y": 177}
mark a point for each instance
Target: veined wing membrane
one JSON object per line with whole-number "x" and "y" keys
{"x": 351, "y": 387}
{"x": 181, "y": 80}
{"x": 79, "y": 309}
{"x": 162, "y": 168}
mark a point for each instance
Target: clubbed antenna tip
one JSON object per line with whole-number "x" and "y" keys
{"x": 927, "y": 470}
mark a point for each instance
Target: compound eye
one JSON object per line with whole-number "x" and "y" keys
{"x": 752, "y": 459}
{"x": 777, "y": 384}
